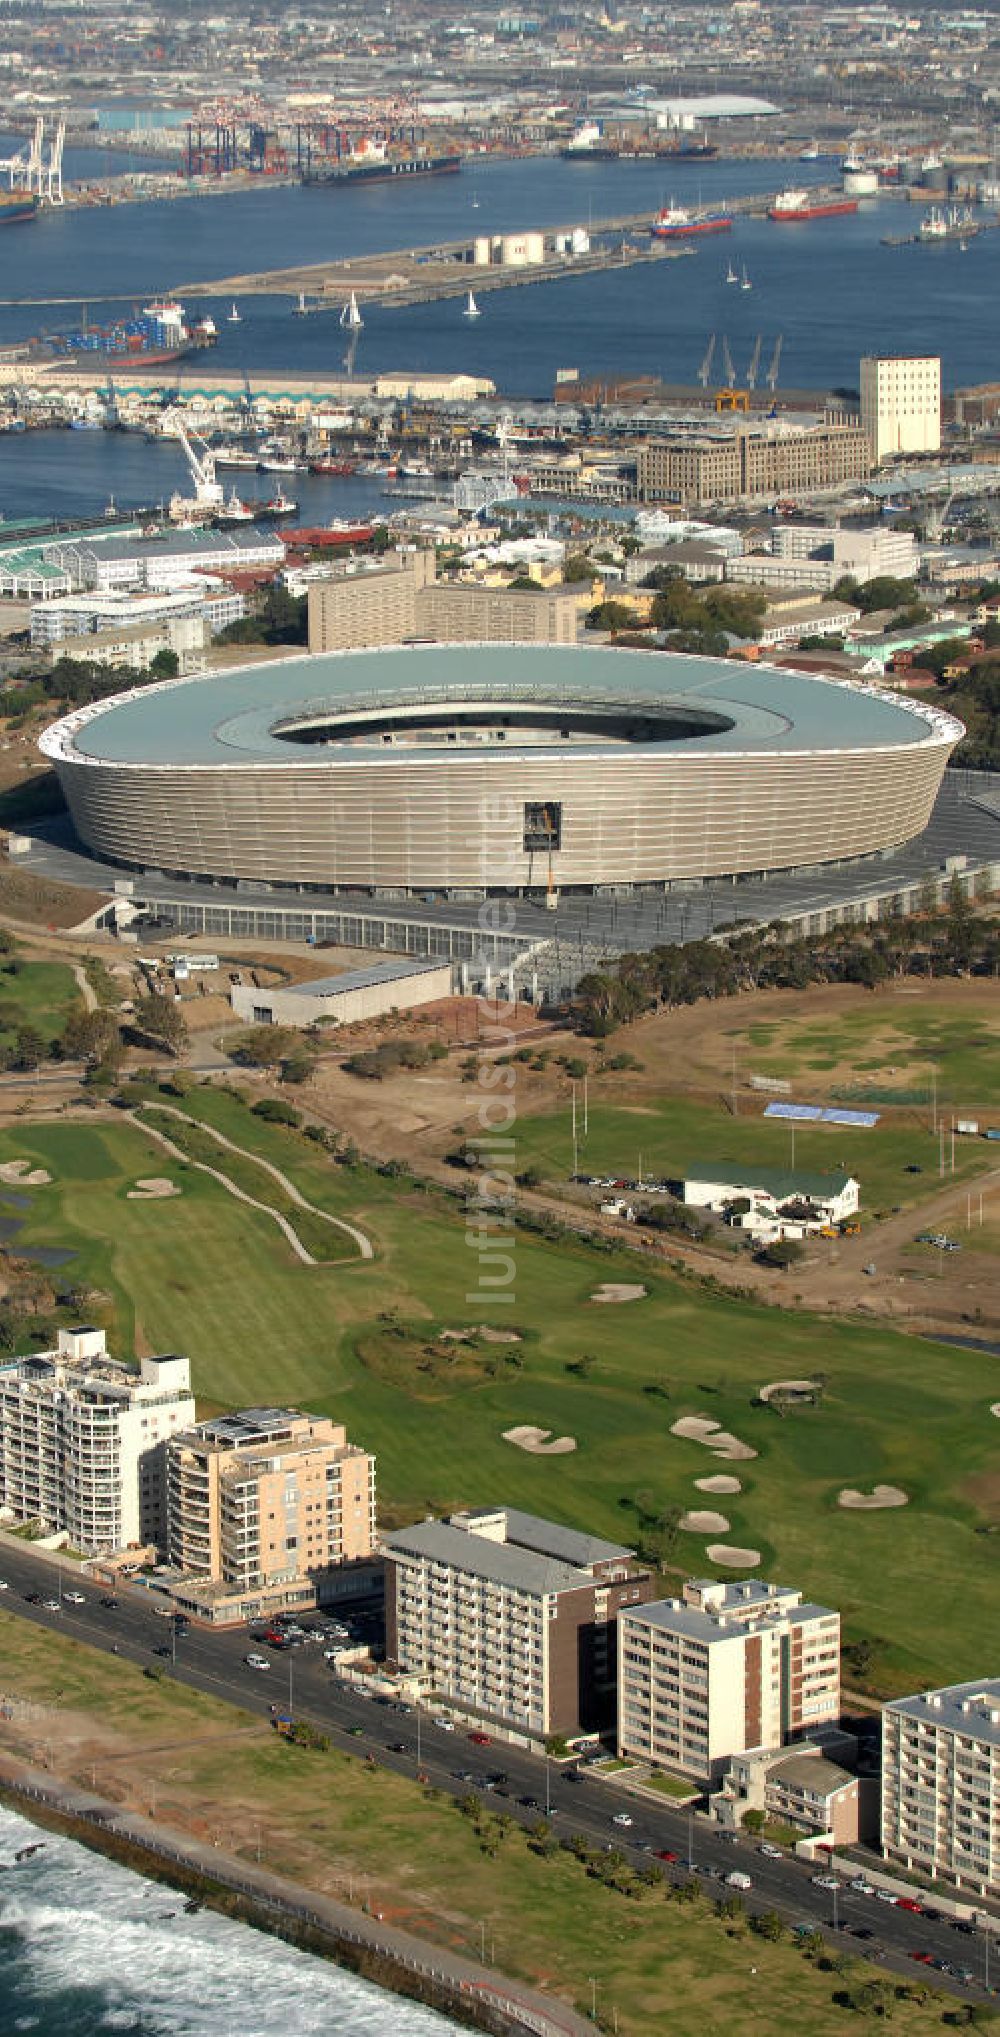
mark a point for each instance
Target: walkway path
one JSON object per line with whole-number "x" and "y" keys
{"x": 526, "y": 2008}
{"x": 359, "y": 1237}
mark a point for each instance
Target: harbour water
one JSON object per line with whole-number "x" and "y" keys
{"x": 828, "y": 285}
{"x": 87, "y": 1947}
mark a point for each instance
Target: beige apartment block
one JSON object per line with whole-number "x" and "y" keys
{"x": 726, "y": 1668}
{"x": 83, "y": 1442}
{"x": 941, "y": 1783}
{"x": 262, "y": 1505}
{"x": 401, "y": 600}
{"x": 901, "y": 404}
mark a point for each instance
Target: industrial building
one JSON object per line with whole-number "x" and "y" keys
{"x": 941, "y": 1783}
{"x": 754, "y": 460}
{"x": 263, "y": 1505}
{"x": 343, "y": 1000}
{"x": 901, "y": 404}
{"x": 726, "y": 1668}
{"x": 83, "y": 1442}
{"x": 510, "y": 1617}
{"x": 465, "y": 770}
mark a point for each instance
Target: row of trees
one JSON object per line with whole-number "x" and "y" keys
{"x": 75, "y": 682}
{"x": 955, "y": 942}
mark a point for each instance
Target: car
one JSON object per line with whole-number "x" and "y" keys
{"x": 572, "y": 1775}
{"x": 163, "y": 1649}
{"x": 32, "y": 1598}
{"x": 256, "y": 1661}
{"x": 933, "y": 1916}
{"x": 861, "y": 1931}
{"x": 738, "y": 1879}
{"x": 528, "y": 1803}
{"x": 332, "y": 1654}
{"x": 109, "y": 1602}
{"x": 963, "y": 1924}
{"x": 4, "y": 1586}
{"x": 910, "y": 1903}
{"x": 861, "y": 1887}
{"x": 665, "y": 1853}
{"x": 622, "y": 1818}
{"x": 397, "y": 1747}
{"x": 355, "y": 1732}
{"x": 885, "y": 1895}
{"x": 445, "y": 1725}
{"x": 480, "y": 1739}
{"x": 825, "y": 1881}
{"x": 52, "y": 1605}
{"x": 770, "y": 1852}
{"x": 497, "y": 1776}
{"x": 924, "y": 1958}
{"x": 74, "y": 1598}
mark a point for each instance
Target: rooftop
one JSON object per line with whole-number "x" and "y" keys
{"x": 768, "y": 1607}
{"x": 779, "y": 1182}
{"x": 360, "y": 979}
{"x": 229, "y": 718}
{"x": 967, "y": 1708}
{"x": 517, "y": 1565}
{"x": 810, "y": 1771}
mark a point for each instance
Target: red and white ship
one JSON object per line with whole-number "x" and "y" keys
{"x": 795, "y": 205}
{"x": 674, "y": 223}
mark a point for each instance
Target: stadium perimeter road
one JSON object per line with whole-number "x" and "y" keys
{"x": 302, "y": 1681}
{"x": 583, "y": 930}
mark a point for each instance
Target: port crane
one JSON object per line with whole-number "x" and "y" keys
{"x": 208, "y": 498}
{"x": 771, "y": 377}
{"x": 754, "y": 367}
{"x": 53, "y": 174}
{"x": 706, "y": 365}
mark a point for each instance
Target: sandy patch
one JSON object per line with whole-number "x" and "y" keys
{"x": 483, "y": 1330}
{"x": 704, "y": 1524}
{"x": 995, "y": 1409}
{"x": 733, "y": 1557}
{"x": 619, "y": 1290}
{"x": 536, "y": 1441}
{"x": 720, "y": 1483}
{"x": 699, "y": 1429}
{"x": 24, "y": 1174}
{"x": 793, "y": 1386}
{"x": 152, "y": 1188}
{"x": 880, "y": 1496}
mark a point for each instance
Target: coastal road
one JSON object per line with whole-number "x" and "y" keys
{"x": 300, "y": 1681}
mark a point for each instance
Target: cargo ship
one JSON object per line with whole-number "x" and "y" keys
{"x": 795, "y": 205}
{"x": 673, "y": 223}
{"x": 17, "y": 206}
{"x": 370, "y": 162}
{"x": 155, "y": 337}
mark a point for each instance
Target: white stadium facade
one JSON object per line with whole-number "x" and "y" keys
{"x": 462, "y": 771}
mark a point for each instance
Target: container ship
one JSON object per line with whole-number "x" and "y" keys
{"x": 370, "y": 162}
{"x": 17, "y": 206}
{"x": 155, "y": 337}
{"x": 673, "y": 223}
{"x": 794, "y": 205}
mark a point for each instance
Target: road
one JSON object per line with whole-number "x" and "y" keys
{"x": 301, "y": 1681}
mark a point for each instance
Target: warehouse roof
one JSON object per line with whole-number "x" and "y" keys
{"x": 781, "y": 1182}
{"x": 230, "y": 718}
{"x": 503, "y": 1563}
{"x": 361, "y": 979}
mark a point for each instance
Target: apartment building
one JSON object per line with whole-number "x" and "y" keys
{"x": 901, "y": 404}
{"x": 941, "y": 1783}
{"x": 511, "y": 1617}
{"x": 401, "y": 600}
{"x": 263, "y": 1505}
{"x": 725, "y": 1668}
{"x": 754, "y": 460}
{"x": 83, "y": 1442}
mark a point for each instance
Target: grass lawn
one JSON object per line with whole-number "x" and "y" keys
{"x": 35, "y": 994}
{"x": 325, "y": 1821}
{"x": 894, "y": 1049}
{"x": 670, "y": 1786}
{"x": 202, "y": 1274}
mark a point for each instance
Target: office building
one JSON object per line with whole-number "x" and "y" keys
{"x": 941, "y": 1783}
{"x": 83, "y": 1442}
{"x": 401, "y": 600}
{"x": 263, "y": 1504}
{"x": 510, "y": 1617}
{"x": 901, "y": 404}
{"x": 725, "y": 1668}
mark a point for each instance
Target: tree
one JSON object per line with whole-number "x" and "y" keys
{"x": 298, "y": 1066}
{"x": 576, "y": 567}
{"x": 274, "y": 1111}
{"x": 89, "y": 1035}
{"x": 160, "y": 1019}
{"x": 782, "y": 1252}
{"x": 768, "y": 1925}
{"x": 754, "y": 1821}
{"x": 262, "y": 1046}
{"x": 29, "y": 1047}
{"x": 165, "y": 665}
{"x": 610, "y": 615}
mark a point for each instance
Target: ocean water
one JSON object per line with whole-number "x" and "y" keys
{"x": 87, "y": 1947}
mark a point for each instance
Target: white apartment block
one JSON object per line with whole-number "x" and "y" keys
{"x": 941, "y": 1783}
{"x": 901, "y": 404}
{"x": 726, "y": 1668}
{"x": 83, "y": 1442}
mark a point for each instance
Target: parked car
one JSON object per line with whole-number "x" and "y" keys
{"x": 664, "y": 1853}
{"x": 825, "y": 1881}
{"x": 480, "y": 1739}
{"x": 885, "y": 1895}
{"x": 910, "y": 1903}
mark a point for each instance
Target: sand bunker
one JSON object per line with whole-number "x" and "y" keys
{"x": 618, "y": 1290}
{"x": 731, "y": 1556}
{"x": 995, "y": 1409}
{"x": 483, "y": 1330}
{"x": 720, "y": 1483}
{"x": 152, "y": 1188}
{"x": 24, "y": 1174}
{"x": 699, "y": 1429}
{"x": 704, "y": 1524}
{"x": 790, "y": 1386}
{"x": 869, "y": 1502}
{"x": 536, "y": 1441}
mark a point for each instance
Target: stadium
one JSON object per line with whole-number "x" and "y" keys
{"x": 447, "y": 772}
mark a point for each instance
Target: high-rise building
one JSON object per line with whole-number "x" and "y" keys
{"x": 83, "y": 1442}
{"x": 726, "y": 1668}
{"x": 511, "y": 1617}
{"x": 401, "y": 600}
{"x": 901, "y": 404}
{"x": 263, "y": 1504}
{"x": 941, "y": 1783}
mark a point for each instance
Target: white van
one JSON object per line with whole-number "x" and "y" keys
{"x": 738, "y": 1879}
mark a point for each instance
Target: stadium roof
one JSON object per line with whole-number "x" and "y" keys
{"x": 229, "y": 718}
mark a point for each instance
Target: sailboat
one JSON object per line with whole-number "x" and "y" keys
{"x": 351, "y": 314}
{"x": 471, "y": 307}
{"x": 233, "y": 317}
{"x": 745, "y": 283}
{"x": 731, "y": 276}
{"x": 475, "y": 203}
